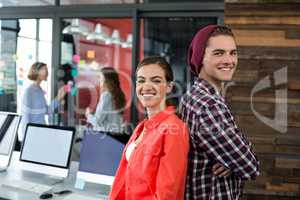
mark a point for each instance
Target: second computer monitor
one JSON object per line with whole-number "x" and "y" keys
{"x": 47, "y": 149}
{"x": 9, "y": 123}
{"x": 99, "y": 157}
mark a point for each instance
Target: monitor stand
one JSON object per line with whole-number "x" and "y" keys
{"x": 53, "y": 180}
{"x": 40, "y": 178}
{"x": 50, "y": 179}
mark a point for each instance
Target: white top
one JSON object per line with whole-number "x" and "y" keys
{"x": 129, "y": 150}
{"x": 131, "y": 147}
{"x": 106, "y": 118}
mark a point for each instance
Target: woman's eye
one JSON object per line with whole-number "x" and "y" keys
{"x": 140, "y": 81}
{"x": 156, "y": 81}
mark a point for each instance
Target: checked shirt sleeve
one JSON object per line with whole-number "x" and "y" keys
{"x": 220, "y": 138}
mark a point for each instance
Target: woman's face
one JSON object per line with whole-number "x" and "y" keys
{"x": 43, "y": 73}
{"x": 152, "y": 87}
{"x": 102, "y": 80}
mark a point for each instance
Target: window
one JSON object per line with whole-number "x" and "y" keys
{"x": 34, "y": 43}
{"x": 8, "y": 36}
{"x": 91, "y": 44}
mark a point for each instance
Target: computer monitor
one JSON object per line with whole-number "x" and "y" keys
{"x": 100, "y": 156}
{"x": 47, "y": 149}
{"x": 9, "y": 123}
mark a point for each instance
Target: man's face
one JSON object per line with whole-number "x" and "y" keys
{"x": 220, "y": 59}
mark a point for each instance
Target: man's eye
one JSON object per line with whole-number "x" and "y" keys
{"x": 140, "y": 81}
{"x": 218, "y": 53}
{"x": 234, "y": 53}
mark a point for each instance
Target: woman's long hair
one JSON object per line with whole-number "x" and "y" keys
{"x": 112, "y": 82}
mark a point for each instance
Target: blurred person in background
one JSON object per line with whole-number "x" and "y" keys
{"x": 34, "y": 105}
{"x": 109, "y": 111}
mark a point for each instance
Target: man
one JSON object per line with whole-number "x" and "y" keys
{"x": 220, "y": 156}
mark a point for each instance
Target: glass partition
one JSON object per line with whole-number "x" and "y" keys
{"x": 88, "y": 45}
{"x": 29, "y": 40}
{"x": 8, "y": 86}
{"x": 170, "y": 37}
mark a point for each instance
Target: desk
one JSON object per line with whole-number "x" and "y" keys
{"x": 16, "y": 173}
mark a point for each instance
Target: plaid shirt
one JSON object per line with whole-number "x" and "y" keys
{"x": 215, "y": 138}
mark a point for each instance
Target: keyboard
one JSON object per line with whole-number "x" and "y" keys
{"x": 84, "y": 197}
{"x": 27, "y": 186}
{"x": 2, "y": 169}
{"x": 1, "y": 198}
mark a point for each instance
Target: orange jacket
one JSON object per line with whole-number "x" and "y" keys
{"x": 157, "y": 167}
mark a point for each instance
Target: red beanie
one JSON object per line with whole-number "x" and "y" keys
{"x": 197, "y": 48}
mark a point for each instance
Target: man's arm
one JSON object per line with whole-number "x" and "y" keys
{"x": 220, "y": 138}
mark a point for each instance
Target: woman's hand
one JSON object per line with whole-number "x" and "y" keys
{"x": 87, "y": 111}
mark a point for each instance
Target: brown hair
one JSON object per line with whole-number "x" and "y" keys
{"x": 33, "y": 73}
{"x": 111, "y": 80}
{"x": 163, "y": 64}
{"x": 222, "y": 30}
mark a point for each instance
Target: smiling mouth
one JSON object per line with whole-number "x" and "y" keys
{"x": 226, "y": 68}
{"x": 148, "y": 95}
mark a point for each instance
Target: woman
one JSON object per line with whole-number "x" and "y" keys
{"x": 34, "y": 106}
{"x": 154, "y": 162}
{"x": 109, "y": 111}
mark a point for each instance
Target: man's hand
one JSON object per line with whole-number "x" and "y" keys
{"x": 220, "y": 171}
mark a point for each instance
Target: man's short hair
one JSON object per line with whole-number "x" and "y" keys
{"x": 222, "y": 30}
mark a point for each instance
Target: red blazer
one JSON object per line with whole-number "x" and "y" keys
{"x": 157, "y": 167}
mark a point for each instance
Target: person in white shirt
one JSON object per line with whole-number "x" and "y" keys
{"x": 109, "y": 111}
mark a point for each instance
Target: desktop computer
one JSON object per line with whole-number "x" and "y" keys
{"x": 9, "y": 123}
{"x": 47, "y": 149}
{"x": 99, "y": 157}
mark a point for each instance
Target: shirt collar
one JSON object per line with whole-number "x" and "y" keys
{"x": 205, "y": 85}
{"x": 157, "y": 118}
